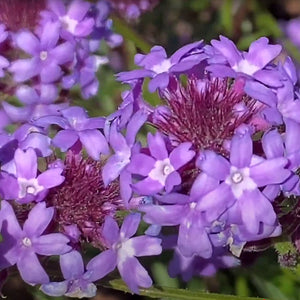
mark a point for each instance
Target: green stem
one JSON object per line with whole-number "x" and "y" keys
{"x": 174, "y": 294}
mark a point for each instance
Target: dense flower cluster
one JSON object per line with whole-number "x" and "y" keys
{"x": 222, "y": 158}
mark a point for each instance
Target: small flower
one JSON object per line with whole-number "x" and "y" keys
{"x": 21, "y": 246}
{"x": 160, "y": 169}
{"x": 123, "y": 252}
{"x": 47, "y": 55}
{"x": 77, "y": 283}
{"x": 158, "y": 67}
{"x": 77, "y": 126}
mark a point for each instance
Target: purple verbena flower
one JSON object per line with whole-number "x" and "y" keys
{"x": 32, "y": 187}
{"x": 77, "y": 126}
{"x": 47, "y": 55}
{"x": 240, "y": 179}
{"x": 159, "y": 67}
{"x": 21, "y": 246}
{"x": 159, "y": 168}
{"x": 123, "y": 250}
{"x": 76, "y": 283}
{"x": 253, "y": 66}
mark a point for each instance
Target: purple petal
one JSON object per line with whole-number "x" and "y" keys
{"x": 25, "y": 69}
{"x": 50, "y": 73}
{"x": 55, "y": 289}
{"x": 256, "y": 208}
{"x": 270, "y": 171}
{"x": 27, "y": 94}
{"x": 57, "y": 6}
{"x": 78, "y": 9}
{"x": 145, "y": 245}
{"x": 172, "y": 180}
{"x": 228, "y": 49}
{"x": 63, "y": 53}
{"x": 241, "y": 150}
{"x": 134, "y": 125}
{"x": 39, "y": 142}
{"x": 221, "y": 71}
{"x": 110, "y": 230}
{"x": 50, "y": 35}
{"x": 51, "y": 244}
{"x": 147, "y": 186}
{"x": 176, "y": 56}
{"x": 26, "y": 163}
{"x": 159, "y": 81}
{"x": 269, "y": 77}
{"x": 65, "y": 139}
{"x": 258, "y": 91}
{"x": 101, "y": 265}
{"x": 38, "y": 220}
{"x": 112, "y": 169}
{"x": 181, "y": 155}
{"x": 28, "y": 42}
{"x": 215, "y": 202}
{"x": 273, "y": 144}
{"x": 213, "y": 164}
{"x": 292, "y": 133}
{"x": 51, "y": 178}
{"x": 193, "y": 239}
{"x": 141, "y": 164}
{"x": 130, "y": 225}
{"x": 261, "y": 53}
{"x": 71, "y": 265}
{"x": 94, "y": 142}
{"x": 30, "y": 269}
{"x": 202, "y": 185}
{"x": 166, "y": 215}
{"x": 157, "y": 146}
{"x": 134, "y": 274}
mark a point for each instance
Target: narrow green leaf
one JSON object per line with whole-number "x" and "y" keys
{"x": 175, "y": 294}
{"x": 128, "y": 33}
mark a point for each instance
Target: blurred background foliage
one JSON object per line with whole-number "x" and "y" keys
{"x": 172, "y": 24}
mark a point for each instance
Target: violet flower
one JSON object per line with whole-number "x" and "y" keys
{"x": 123, "y": 252}
{"x": 21, "y": 246}
{"x": 47, "y": 55}
{"x": 30, "y": 186}
{"x": 74, "y": 20}
{"x": 158, "y": 67}
{"x": 253, "y": 66}
{"x": 77, "y": 126}
{"x": 240, "y": 179}
{"x": 159, "y": 169}
{"x": 77, "y": 283}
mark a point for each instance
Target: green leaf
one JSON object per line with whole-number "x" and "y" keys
{"x": 269, "y": 289}
{"x": 175, "y": 294}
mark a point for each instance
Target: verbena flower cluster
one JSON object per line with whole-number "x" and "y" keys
{"x": 209, "y": 181}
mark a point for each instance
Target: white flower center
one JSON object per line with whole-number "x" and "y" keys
{"x": 68, "y": 23}
{"x": 244, "y": 66}
{"x": 239, "y": 181}
{"x": 43, "y": 55}
{"x": 29, "y": 186}
{"x": 161, "y": 170}
{"x": 164, "y": 66}
{"x": 26, "y": 242}
{"x": 237, "y": 177}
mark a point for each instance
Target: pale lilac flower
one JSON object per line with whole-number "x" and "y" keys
{"x": 74, "y": 21}
{"x": 47, "y": 55}
{"x": 76, "y": 283}
{"x": 160, "y": 169}
{"x": 32, "y": 187}
{"x": 21, "y": 246}
{"x": 123, "y": 252}
{"x": 159, "y": 67}
{"x": 253, "y": 66}
{"x": 77, "y": 126}
{"x": 240, "y": 181}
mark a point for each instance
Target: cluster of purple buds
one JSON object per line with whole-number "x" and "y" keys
{"x": 223, "y": 157}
